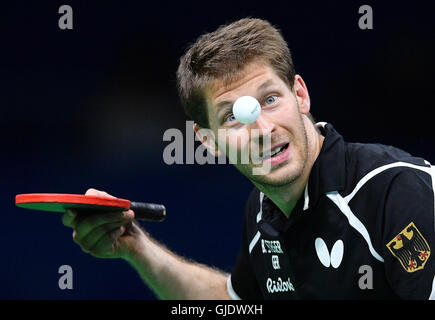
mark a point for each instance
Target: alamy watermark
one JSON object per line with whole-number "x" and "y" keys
{"x": 366, "y": 280}
{"x": 66, "y": 280}
{"x": 366, "y": 20}
{"x": 239, "y": 146}
{"x": 65, "y": 21}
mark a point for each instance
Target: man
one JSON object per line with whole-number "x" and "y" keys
{"x": 329, "y": 220}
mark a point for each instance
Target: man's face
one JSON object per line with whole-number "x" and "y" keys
{"x": 280, "y": 123}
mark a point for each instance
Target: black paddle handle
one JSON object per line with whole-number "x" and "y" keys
{"x": 148, "y": 211}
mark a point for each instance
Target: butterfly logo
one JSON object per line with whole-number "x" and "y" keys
{"x": 327, "y": 259}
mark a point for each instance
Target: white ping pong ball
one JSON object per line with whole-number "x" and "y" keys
{"x": 246, "y": 109}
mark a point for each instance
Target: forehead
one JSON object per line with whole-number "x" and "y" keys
{"x": 253, "y": 77}
{"x": 252, "y": 73}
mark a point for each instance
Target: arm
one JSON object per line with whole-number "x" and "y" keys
{"x": 173, "y": 277}
{"x": 116, "y": 235}
{"x": 408, "y": 235}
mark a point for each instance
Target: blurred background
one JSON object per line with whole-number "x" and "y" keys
{"x": 88, "y": 108}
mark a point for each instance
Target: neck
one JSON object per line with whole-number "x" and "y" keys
{"x": 286, "y": 196}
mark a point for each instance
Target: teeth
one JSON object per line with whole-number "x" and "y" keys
{"x": 276, "y": 150}
{"x": 273, "y": 152}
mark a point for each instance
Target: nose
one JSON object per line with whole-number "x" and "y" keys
{"x": 261, "y": 127}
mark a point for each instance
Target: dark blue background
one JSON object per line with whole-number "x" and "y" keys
{"x": 88, "y": 108}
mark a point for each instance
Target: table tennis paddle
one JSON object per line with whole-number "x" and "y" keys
{"x": 60, "y": 202}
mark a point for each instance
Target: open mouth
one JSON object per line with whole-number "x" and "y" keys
{"x": 274, "y": 152}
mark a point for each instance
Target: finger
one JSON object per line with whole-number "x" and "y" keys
{"x": 99, "y": 193}
{"x": 98, "y": 233}
{"x": 74, "y": 236}
{"x": 107, "y": 245}
{"x": 90, "y": 222}
{"x": 68, "y": 218}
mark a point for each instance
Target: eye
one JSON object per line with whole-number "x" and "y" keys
{"x": 230, "y": 117}
{"x": 270, "y": 100}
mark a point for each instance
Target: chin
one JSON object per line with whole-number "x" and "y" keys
{"x": 280, "y": 176}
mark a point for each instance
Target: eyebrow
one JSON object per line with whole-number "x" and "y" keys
{"x": 225, "y": 104}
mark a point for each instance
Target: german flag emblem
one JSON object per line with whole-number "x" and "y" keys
{"x": 410, "y": 248}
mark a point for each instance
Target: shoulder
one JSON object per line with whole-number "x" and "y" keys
{"x": 387, "y": 188}
{"x": 368, "y": 156}
{"x": 382, "y": 163}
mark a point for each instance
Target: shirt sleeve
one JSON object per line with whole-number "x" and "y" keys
{"x": 408, "y": 234}
{"x": 243, "y": 283}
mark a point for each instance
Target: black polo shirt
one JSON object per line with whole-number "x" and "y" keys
{"x": 363, "y": 229}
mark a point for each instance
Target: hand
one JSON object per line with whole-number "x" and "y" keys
{"x": 104, "y": 235}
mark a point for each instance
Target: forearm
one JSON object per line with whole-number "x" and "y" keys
{"x": 173, "y": 277}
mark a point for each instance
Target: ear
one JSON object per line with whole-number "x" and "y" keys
{"x": 301, "y": 93}
{"x": 207, "y": 138}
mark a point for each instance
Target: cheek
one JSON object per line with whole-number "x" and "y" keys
{"x": 288, "y": 114}
{"x": 285, "y": 114}
{"x": 231, "y": 139}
